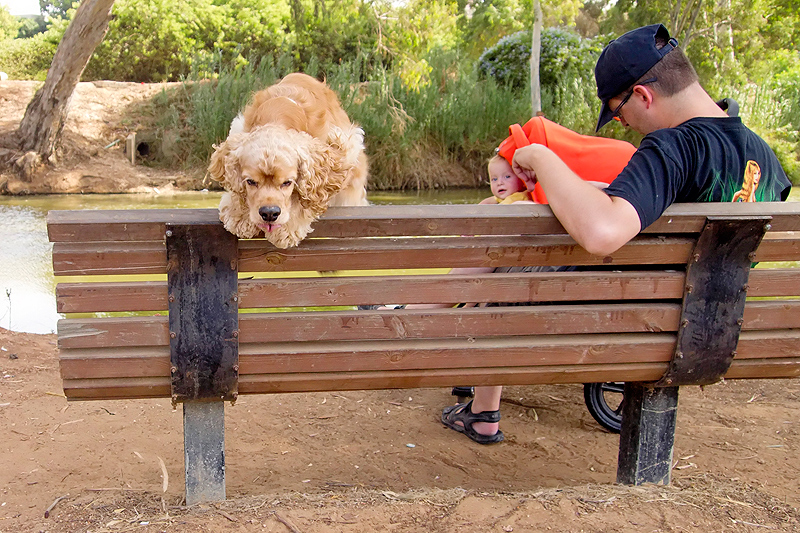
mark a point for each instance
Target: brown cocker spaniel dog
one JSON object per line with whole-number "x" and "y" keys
{"x": 290, "y": 154}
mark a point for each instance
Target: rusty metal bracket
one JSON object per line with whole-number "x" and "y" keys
{"x": 713, "y": 300}
{"x": 202, "y": 267}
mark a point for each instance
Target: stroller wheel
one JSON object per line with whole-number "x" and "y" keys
{"x": 604, "y": 401}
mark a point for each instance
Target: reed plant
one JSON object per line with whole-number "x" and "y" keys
{"x": 440, "y": 132}
{"x": 772, "y": 109}
{"x": 437, "y": 134}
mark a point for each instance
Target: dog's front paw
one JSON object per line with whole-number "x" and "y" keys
{"x": 283, "y": 238}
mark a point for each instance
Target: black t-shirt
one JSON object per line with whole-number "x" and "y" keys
{"x": 702, "y": 160}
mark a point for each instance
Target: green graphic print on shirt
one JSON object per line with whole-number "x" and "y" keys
{"x": 749, "y": 191}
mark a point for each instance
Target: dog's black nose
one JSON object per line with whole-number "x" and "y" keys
{"x": 269, "y": 213}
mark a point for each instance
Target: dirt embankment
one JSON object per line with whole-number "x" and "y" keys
{"x": 92, "y": 156}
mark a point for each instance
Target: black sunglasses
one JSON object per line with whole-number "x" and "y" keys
{"x": 616, "y": 113}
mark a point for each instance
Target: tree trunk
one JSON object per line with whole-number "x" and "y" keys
{"x": 729, "y": 61}
{"x": 44, "y": 118}
{"x": 536, "y": 43}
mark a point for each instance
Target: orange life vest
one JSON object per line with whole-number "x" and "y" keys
{"x": 591, "y": 158}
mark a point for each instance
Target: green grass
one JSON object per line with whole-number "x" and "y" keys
{"x": 440, "y": 133}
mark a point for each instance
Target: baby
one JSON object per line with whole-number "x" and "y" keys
{"x": 506, "y": 186}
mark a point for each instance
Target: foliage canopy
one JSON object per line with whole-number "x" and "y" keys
{"x": 424, "y": 76}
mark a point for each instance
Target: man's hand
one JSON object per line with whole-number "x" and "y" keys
{"x": 529, "y": 179}
{"x": 598, "y": 222}
{"x": 522, "y": 166}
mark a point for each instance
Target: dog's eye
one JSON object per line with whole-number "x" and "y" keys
{"x": 251, "y": 182}
{"x": 287, "y": 183}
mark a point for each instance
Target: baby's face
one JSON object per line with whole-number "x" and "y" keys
{"x": 502, "y": 179}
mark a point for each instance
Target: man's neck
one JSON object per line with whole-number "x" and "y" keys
{"x": 692, "y": 102}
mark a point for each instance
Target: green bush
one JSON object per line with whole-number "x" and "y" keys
{"x": 508, "y": 62}
{"x": 163, "y": 40}
{"x": 562, "y": 52}
{"x": 30, "y": 26}
{"x": 9, "y": 24}
{"x": 25, "y": 59}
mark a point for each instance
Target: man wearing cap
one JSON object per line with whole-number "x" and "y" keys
{"x": 692, "y": 152}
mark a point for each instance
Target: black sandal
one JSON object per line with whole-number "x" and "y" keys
{"x": 463, "y": 413}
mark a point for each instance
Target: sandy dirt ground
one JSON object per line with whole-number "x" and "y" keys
{"x": 381, "y": 461}
{"x": 357, "y": 461}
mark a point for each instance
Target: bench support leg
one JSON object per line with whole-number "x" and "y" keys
{"x": 204, "y": 451}
{"x": 648, "y": 434}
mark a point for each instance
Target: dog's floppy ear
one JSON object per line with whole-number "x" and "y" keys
{"x": 324, "y": 167}
{"x": 224, "y": 165}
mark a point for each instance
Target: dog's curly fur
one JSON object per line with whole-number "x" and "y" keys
{"x": 291, "y": 153}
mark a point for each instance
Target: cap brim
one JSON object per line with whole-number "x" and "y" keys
{"x": 606, "y": 116}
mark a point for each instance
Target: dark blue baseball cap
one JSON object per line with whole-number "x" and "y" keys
{"x": 625, "y": 60}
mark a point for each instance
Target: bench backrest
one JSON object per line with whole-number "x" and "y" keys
{"x": 603, "y": 325}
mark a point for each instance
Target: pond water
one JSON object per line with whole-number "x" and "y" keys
{"x": 27, "y": 285}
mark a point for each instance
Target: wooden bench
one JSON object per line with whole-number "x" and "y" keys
{"x": 673, "y": 314}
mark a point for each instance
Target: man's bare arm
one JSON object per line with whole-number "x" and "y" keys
{"x": 598, "y": 222}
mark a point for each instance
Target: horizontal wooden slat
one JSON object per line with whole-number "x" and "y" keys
{"x": 370, "y": 290}
{"x": 385, "y": 325}
{"x": 434, "y": 323}
{"x": 427, "y": 355}
{"x": 115, "y": 363}
{"x": 113, "y": 332}
{"x": 118, "y": 258}
{"x": 71, "y": 259}
{"x": 101, "y": 389}
{"x": 312, "y": 382}
{"x": 779, "y": 246}
{"x": 771, "y": 314}
{"x": 111, "y": 297}
{"x": 764, "y": 368}
{"x": 308, "y": 292}
{"x": 376, "y": 221}
{"x": 765, "y": 282}
{"x": 462, "y": 288}
{"x": 149, "y": 257}
{"x": 117, "y": 389}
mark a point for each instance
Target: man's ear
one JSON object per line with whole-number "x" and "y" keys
{"x": 645, "y": 94}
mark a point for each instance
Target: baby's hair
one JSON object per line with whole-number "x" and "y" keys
{"x": 494, "y": 158}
